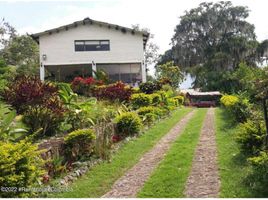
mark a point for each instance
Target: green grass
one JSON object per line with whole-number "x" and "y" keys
{"x": 169, "y": 178}
{"x": 237, "y": 177}
{"x": 99, "y": 179}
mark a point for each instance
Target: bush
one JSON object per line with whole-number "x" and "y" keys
{"x": 28, "y": 91}
{"x": 180, "y": 99}
{"x": 150, "y": 87}
{"x": 20, "y": 167}
{"x": 229, "y": 100}
{"x": 140, "y": 100}
{"x": 237, "y": 106}
{"x": 48, "y": 117}
{"x": 251, "y": 136}
{"x": 113, "y": 92}
{"x": 260, "y": 164}
{"x": 128, "y": 124}
{"x": 84, "y": 86}
{"x": 79, "y": 144}
{"x": 156, "y": 99}
{"x": 147, "y": 114}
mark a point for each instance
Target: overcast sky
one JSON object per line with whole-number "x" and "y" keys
{"x": 160, "y": 16}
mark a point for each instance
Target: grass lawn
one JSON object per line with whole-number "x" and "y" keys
{"x": 237, "y": 179}
{"x": 169, "y": 178}
{"x": 99, "y": 180}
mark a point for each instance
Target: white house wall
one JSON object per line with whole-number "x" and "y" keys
{"x": 59, "y": 47}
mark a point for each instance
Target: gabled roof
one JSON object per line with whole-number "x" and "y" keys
{"x": 91, "y": 21}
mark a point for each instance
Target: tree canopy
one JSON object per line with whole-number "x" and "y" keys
{"x": 211, "y": 40}
{"x": 18, "y": 50}
{"x": 171, "y": 72}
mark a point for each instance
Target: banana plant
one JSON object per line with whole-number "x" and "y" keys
{"x": 67, "y": 95}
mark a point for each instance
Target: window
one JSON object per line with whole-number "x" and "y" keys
{"x": 92, "y": 45}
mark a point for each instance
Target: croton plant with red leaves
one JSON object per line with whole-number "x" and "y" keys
{"x": 84, "y": 86}
{"x": 113, "y": 92}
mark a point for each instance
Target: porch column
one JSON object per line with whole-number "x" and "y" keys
{"x": 42, "y": 72}
{"x": 143, "y": 72}
{"x": 94, "y": 69}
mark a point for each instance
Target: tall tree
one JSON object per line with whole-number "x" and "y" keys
{"x": 18, "y": 50}
{"x": 211, "y": 40}
{"x": 7, "y": 32}
{"x": 171, "y": 72}
{"x": 22, "y": 51}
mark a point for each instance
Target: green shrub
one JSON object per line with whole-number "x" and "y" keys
{"x": 251, "y": 136}
{"x": 163, "y": 96}
{"x": 180, "y": 99}
{"x": 147, "y": 114}
{"x": 156, "y": 99}
{"x": 237, "y": 106}
{"x": 43, "y": 117}
{"x": 229, "y": 100}
{"x": 149, "y": 87}
{"x": 172, "y": 102}
{"x": 260, "y": 165}
{"x": 79, "y": 144}
{"x": 140, "y": 100}
{"x": 128, "y": 124}
{"x": 20, "y": 166}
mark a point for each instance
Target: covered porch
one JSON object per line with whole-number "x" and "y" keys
{"x": 130, "y": 73}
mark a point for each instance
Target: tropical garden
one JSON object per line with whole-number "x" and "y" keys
{"x": 76, "y": 139}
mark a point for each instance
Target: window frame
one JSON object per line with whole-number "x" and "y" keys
{"x": 94, "y": 47}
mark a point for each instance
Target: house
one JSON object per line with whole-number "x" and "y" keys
{"x": 85, "y": 46}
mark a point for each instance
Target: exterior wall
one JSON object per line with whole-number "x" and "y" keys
{"x": 59, "y": 47}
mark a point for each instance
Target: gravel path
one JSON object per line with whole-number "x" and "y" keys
{"x": 133, "y": 180}
{"x": 204, "y": 179}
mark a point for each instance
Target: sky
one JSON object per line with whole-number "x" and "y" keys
{"x": 160, "y": 16}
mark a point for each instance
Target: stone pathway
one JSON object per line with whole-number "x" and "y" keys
{"x": 133, "y": 180}
{"x": 204, "y": 179}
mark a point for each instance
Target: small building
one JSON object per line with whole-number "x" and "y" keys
{"x": 79, "y": 48}
{"x": 203, "y": 99}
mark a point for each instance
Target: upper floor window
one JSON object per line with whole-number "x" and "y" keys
{"x": 92, "y": 45}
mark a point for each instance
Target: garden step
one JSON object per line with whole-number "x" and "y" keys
{"x": 204, "y": 179}
{"x": 133, "y": 180}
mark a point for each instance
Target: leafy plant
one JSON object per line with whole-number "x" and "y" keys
{"x": 150, "y": 87}
{"x": 85, "y": 86}
{"x": 79, "y": 144}
{"x": 140, "y": 100}
{"x": 251, "y": 136}
{"x": 44, "y": 117}
{"x": 237, "y": 106}
{"x": 128, "y": 124}
{"x": 148, "y": 114}
{"x": 180, "y": 99}
{"x": 28, "y": 91}
{"x": 113, "y": 92}
{"x": 20, "y": 166}
{"x": 156, "y": 99}
{"x": 260, "y": 164}
{"x": 8, "y": 129}
{"x": 66, "y": 94}
{"x": 56, "y": 166}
